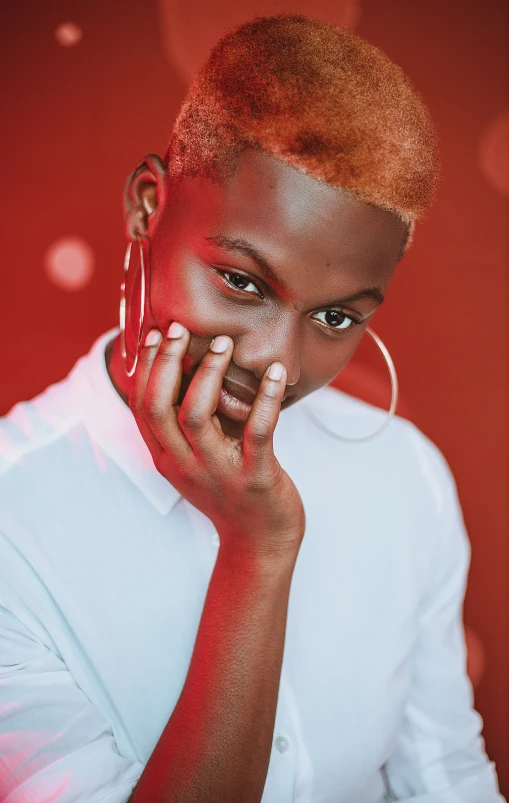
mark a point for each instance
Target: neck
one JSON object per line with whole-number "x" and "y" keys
{"x": 116, "y": 369}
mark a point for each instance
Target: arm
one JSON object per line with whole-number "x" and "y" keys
{"x": 216, "y": 746}
{"x": 217, "y": 743}
{"x": 55, "y": 745}
{"x": 440, "y": 755}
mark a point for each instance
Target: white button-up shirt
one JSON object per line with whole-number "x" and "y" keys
{"x": 104, "y": 568}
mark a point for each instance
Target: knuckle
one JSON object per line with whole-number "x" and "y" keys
{"x": 169, "y": 355}
{"x": 144, "y": 356}
{"x": 260, "y": 432}
{"x": 209, "y": 366}
{"x": 270, "y": 391}
{"x": 189, "y": 418}
{"x": 257, "y": 485}
{"x": 154, "y": 411}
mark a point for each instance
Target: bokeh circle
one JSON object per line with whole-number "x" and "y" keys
{"x": 68, "y": 34}
{"x": 494, "y": 153}
{"x": 189, "y": 28}
{"x": 69, "y": 263}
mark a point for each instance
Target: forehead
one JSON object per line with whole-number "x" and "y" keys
{"x": 295, "y": 219}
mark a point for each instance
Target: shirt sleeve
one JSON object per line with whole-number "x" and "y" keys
{"x": 440, "y": 755}
{"x": 55, "y": 745}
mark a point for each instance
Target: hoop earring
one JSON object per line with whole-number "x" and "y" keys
{"x": 394, "y": 399}
{"x": 122, "y": 311}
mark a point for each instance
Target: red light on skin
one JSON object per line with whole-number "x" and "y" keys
{"x": 68, "y": 34}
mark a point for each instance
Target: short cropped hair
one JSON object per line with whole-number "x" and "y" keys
{"x": 319, "y": 97}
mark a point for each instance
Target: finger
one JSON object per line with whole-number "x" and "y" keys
{"x": 202, "y": 396}
{"x": 257, "y": 445}
{"x": 163, "y": 383}
{"x": 146, "y": 356}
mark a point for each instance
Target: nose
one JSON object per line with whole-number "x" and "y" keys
{"x": 281, "y": 342}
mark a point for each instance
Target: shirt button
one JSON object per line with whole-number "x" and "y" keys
{"x": 281, "y": 743}
{"x": 215, "y": 539}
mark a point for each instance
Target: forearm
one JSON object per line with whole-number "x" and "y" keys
{"x": 217, "y": 743}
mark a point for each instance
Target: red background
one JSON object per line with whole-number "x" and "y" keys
{"x": 78, "y": 118}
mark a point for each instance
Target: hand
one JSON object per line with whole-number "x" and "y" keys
{"x": 239, "y": 485}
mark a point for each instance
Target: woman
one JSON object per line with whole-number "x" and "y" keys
{"x": 203, "y": 600}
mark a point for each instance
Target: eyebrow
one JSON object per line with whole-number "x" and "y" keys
{"x": 243, "y": 247}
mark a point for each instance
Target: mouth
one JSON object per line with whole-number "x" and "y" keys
{"x": 231, "y": 406}
{"x": 238, "y": 391}
{"x": 241, "y": 392}
{"x": 236, "y": 400}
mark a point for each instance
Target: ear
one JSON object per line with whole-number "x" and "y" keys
{"x": 144, "y": 196}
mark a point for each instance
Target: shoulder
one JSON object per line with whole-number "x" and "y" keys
{"x": 405, "y": 480}
{"x": 401, "y": 454}
{"x": 32, "y": 426}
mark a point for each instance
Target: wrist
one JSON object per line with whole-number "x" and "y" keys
{"x": 262, "y": 558}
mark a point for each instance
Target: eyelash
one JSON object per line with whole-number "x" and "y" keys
{"x": 224, "y": 273}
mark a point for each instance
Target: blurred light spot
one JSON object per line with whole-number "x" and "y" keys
{"x": 494, "y": 153}
{"x": 189, "y": 28}
{"x": 69, "y": 263}
{"x": 476, "y": 656}
{"x": 68, "y": 34}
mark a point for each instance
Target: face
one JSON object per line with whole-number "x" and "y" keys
{"x": 287, "y": 266}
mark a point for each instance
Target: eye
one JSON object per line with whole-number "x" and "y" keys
{"x": 338, "y": 319}
{"x": 238, "y": 281}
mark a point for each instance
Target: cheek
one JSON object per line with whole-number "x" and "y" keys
{"x": 183, "y": 294}
{"x": 323, "y": 365}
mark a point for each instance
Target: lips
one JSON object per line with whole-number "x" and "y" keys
{"x": 240, "y": 391}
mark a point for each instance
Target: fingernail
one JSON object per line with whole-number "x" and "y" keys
{"x": 220, "y": 344}
{"x": 276, "y": 370}
{"x": 176, "y": 330}
{"x": 153, "y": 338}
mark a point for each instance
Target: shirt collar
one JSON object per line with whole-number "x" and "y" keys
{"x": 112, "y": 425}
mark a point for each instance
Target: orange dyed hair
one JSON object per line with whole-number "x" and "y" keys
{"x": 319, "y": 97}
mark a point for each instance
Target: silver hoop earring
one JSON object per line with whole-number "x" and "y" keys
{"x": 122, "y": 311}
{"x": 394, "y": 399}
